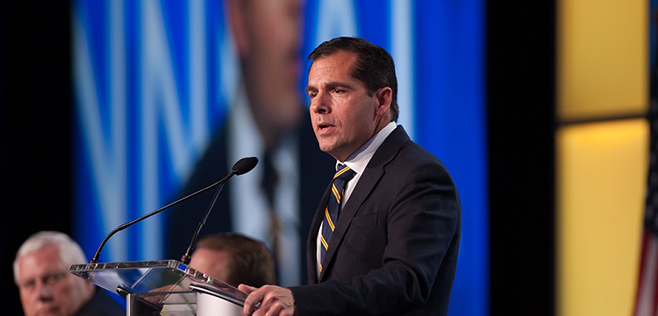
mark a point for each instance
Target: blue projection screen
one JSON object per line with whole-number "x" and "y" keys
{"x": 154, "y": 81}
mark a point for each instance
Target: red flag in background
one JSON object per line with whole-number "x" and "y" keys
{"x": 647, "y": 288}
{"x": 647, "y": 292}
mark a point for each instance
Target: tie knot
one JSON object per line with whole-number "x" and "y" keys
{"x": 344, "y": 173}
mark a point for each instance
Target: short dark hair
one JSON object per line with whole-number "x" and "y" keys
{"x": 374, "y": 65}
{"x": 250, "y": 260}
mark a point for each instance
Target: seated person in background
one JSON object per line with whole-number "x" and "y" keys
{"x": 41, "y": 272}
{"x": 234, "y": 259}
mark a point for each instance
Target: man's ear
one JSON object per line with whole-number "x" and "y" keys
{"x": 237, "y": 18}
{"x": 384, "y": 97}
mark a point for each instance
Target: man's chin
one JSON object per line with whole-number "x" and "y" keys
{"x": 49, "y": 311}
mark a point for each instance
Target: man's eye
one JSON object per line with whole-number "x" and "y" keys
{"x": 338, "y": 91}
{"x": 27, "y": 285}
{"x": 54, "y": 278}
{"x": 312, "y": 94}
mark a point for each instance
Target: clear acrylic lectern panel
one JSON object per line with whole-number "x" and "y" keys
{"x": 156, "y": 287}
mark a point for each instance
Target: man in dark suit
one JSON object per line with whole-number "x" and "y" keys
{"x": 387, "y": 242}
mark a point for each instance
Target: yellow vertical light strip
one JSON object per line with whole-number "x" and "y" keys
{"x": 601, "y": 170}
{"x": 601, "y": 72}
{"x": 602, "y": 65}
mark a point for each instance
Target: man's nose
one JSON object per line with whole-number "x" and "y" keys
{"x": 321, "y": 103}
{"x": 45, "y": 292}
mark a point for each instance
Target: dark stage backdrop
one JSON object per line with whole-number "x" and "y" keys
{"x": 35, "y": 129}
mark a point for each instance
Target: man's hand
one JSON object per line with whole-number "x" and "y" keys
{"x": 268, "y": 300}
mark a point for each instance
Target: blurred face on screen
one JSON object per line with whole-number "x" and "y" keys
{"x": 268, "y": 36}
{"x": 47, "y": 288}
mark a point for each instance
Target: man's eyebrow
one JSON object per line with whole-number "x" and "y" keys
{"x": 334, "y": 84}
{"x": 337, "y": 84}
{"x": 330, "y": 84}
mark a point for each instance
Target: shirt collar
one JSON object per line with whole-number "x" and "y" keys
{"x": 358, "y": 161}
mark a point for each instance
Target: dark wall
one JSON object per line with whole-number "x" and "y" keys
{"x": 35, "y": 128}
{"x": 520, "y": 85}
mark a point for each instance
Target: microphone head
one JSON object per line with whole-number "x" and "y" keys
{"x": 244, "y": 165}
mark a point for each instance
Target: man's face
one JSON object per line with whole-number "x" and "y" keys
{"x": 46, "y": 286}
{"x": 214, "y": 263}
{"x": 343, "y": 114}
{"x": 272, "y": 62}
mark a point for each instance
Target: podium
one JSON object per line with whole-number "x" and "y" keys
{"x": 164, "y": 287}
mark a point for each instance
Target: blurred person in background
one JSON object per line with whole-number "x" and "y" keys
{"x": 234, "y": 259}
{"x": 274, "y": 202}
{"x": 41, "y": 272}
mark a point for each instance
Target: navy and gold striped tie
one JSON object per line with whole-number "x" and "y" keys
{"x": 342, "y": 176}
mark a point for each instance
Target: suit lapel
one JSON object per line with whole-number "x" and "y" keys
{"x": 371, "y": 176}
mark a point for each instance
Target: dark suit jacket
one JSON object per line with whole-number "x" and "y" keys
{"x": 394, "y": 250}
{"x": 183, "y": 220}
{"x": 101, "y": 304}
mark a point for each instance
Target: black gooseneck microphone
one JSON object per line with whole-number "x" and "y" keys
{"x": 243, "y": 166}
